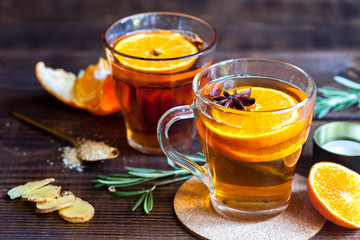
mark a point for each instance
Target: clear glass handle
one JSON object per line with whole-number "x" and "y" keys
{"x": 164, "y": 124}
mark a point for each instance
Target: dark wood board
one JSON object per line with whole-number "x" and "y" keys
{"x": 320, "y": 36}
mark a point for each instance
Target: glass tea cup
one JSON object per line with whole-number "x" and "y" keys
{"x": 250, "y": 154}
{"x": 148, "y": 85}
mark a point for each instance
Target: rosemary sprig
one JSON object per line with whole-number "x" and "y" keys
{"x": 136, "y": 176}
{"x": 336, "y": 99}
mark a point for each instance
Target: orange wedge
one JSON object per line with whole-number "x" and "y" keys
{"x": 91, "y": 90}
{"x": 334, "y": 191}
{"x": 155, "y": 46}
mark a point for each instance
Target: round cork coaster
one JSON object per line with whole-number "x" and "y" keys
{"x": 299, "y": 221}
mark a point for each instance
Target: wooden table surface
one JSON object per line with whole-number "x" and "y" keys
{"x": 320, "y": 36}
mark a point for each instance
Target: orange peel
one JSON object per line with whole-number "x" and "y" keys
{"x": 92, "y": 89}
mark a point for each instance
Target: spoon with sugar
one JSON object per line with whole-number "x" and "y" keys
{"x": 87, "y": 150}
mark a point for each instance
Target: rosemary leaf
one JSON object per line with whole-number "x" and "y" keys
{"x": 151, "y": 175}
{"x": 102, "y": 176}
{"x": 164, "y": 182}
{"x": 148, "y": 202}
{"x": 139, "y": 201}
{"x": 172, "y": 164}
{"x": 321, "y": 113}
{"x": 99, "y": 185}
{"x": 331, "y": 91}
{"x": 144, "y": 170}
{"x": 146, "y": 210}
{"x": 116, "y": 178}
{"x": 112, "y": 182}
{"x": 159, "y": 175}
{"x": 201, "y": 155}
{"x": 131, "y": 183}
{"x": 200, "y": 158}
{"x": 346, "y": 82}
{"x": 122, "y": 175}
{"x": 195, "y": 158}
{"x": 126, "y": 194}
{"x": 347, "y": 103}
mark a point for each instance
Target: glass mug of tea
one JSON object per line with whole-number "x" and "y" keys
{"x": 253, "y": 118}
{"x": 154, "y": 58}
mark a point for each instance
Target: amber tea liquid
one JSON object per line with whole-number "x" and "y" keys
{"x": 251, "y": 172}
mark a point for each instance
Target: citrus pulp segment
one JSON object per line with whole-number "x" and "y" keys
{"x": 87, "y": 89}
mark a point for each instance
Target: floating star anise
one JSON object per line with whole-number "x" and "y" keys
{"x": 236, "y": 100}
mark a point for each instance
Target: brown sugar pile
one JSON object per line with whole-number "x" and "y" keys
{"x": 89, "y": 150}
{"x": 92, "y": 150}
{"x": 70, "y": 159}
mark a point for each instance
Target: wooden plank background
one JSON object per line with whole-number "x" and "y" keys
{"x": 320, "y": 36}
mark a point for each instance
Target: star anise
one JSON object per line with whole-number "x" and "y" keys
{"x": 236, "y": 100}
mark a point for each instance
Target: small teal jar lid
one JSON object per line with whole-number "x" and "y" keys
{"x": 338, "y": 142}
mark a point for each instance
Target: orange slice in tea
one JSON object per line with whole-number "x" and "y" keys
{"x": 155, "y": 46}
{"x": 257, "y": 136}
{"x": 91, "y": 90}
{"x": 334, "y": 191}
{"x": 258, "y": 129}
{"x": 286, "y": 151}
{"x": 292, "y": 159}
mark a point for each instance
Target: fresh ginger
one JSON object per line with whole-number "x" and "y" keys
{"x": 48, "y": 199}
{"x": 43, "y": 194}
{"x": 80, "y": 212}
{"x": 28, "y": 187}
{"x": 65, "y": 200}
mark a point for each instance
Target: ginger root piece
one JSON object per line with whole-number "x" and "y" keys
{"x": 28, "y": 187}
{"x": 65, "y": 200}
{"x": 43, "y": 194}
{"x": 80, "y": 212}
